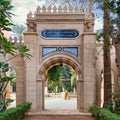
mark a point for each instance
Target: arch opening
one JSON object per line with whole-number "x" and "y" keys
{"x": 60, "y": 61}
{"x": 60, "y": 88}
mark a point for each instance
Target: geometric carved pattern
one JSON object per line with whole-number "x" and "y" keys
{"x": 48, "y": 50}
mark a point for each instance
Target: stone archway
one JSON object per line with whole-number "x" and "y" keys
{"x": 63, "y": 37}
{"x": 52, "y": 60}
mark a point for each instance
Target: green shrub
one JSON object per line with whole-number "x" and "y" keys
{"x": 16, "y": 113}
{"x": 110, "y": 105}
{"x": 103, "y": 114}
{"x": 117, "y": 107}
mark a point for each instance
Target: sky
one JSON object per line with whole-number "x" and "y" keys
{"x": 22, "y": 8}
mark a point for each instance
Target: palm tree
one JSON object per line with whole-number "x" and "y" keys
{"x": 107, "y": 59}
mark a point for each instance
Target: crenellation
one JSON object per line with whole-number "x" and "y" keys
{"x": 70, "y": 9}
{"x": 29, "y": 15}
{"x": 10, "y": 38}
{"x": 60, "y": 9}
{"x": 49, "y": 9}
{"x": 38, "y": 10}
{"x": 76, "y": 9}
{"x": 44, "y": 9}
{"x": 35, "y": 13}
{"x": 89, "y": 6}
{"x": 65, "y": 9}
{"x": 16, "y": 40}
{"x": 54, "y": 9}
{"x": 82, "y": 9}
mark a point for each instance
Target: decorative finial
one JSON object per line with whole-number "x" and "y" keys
{"x": 49, "y": 9}
{"x": 59, "y": 9}
{"x": 54, "y": 9}
{"x": 76, "y": 9}
{"x": 89, "y": 6}
{"x": 65, "y": 9}
{"x": 29, "y": 15}
{"x": 38, "y": 9}
{"x": 43, "y": 9}
{"x": 10, "y": 38}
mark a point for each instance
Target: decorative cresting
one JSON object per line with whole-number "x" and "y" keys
{"x": 16, "y": 40}
{"x": 84, "y": 11}
{"x": 57, "y": 10}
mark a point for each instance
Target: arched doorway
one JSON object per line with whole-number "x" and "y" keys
{"x": 51, "y": 60}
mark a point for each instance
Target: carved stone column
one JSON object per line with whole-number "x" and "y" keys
{"x": 30, "y": 39}
{"x": 40, "y": 95}
{"x": 19, "y": 65}
{"x": 80, "y": 95}
{"x": 89, "y": 71}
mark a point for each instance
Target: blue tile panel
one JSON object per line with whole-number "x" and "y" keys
{"x": 48, "y": 50}
{"x": 73, "y": 50}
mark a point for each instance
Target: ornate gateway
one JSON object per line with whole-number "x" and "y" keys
{"x": 59, "y": 36}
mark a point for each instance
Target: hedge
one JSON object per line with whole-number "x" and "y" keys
{"x": 16, "y": 113}
{"x": 103, "y": 114}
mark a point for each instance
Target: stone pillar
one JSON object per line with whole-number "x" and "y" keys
{"x": 19, "y": 65}
{"x": 40, "y": 95}
{"x": 89, "y": 71}
{"x": 30, "y": 39}
{"x": 80, "y": 94}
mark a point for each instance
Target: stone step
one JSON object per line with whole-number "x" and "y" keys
{"x": 59, "y": 117}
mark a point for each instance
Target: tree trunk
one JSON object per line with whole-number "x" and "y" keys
{"x": 117, "y": 50}
{"x": 107, "y": 60}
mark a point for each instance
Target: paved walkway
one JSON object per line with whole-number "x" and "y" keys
{"x": 53, "y": 104}
{"x": 61, "y": 104}
{"x": 56, "y": 107}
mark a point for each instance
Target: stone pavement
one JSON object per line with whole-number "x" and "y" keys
{"x": 61, "y": 104}
{"x": 57, "y": 109}
{"x": 53, "y": 103}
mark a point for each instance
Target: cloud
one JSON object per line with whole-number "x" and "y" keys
{"x": 22, "y": 8}
{"x": 98, "y": 24}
